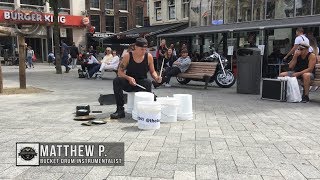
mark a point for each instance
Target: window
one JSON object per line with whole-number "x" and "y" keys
{"x": 172, "y": 9}
{"x": 139, "y": 15}
{"x": 123, "y": 23}
{"x": 109, "y": 4}
{"x": 95, "y": 4}
{"x": 195, "y": 9}
{"x": 95, "y": 21}
{"x": 231, "y": 11}
{"x": 270, "y": 9}
{"x": 217, "y": 12}
{"x": 258, "y": 10}
{"x": 32, "y": 2}
{"x": 303, "y": 7}
{"x": 110, "y": 23}
{"x": 123, "y": 5}
{"x": 185, "y": 8}
{"x": 157, "y": 6}
{"x": 7, "y": 1}
{"x": 244, "y": 12}
{"x": 316, "y": 6}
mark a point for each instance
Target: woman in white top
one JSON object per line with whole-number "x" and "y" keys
{"x": 110, "y": 63}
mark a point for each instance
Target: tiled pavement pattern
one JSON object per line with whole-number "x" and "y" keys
{"x": 232, "y": 136}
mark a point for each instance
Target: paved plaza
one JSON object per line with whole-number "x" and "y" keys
{"x": 232, "y": 136}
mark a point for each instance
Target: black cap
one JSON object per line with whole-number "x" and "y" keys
{"x": 141, "y": 42}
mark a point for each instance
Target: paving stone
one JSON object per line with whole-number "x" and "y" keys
{"x": 168, "y": 157}
{"x": 226, "y": 167}
{"x": 175, "y": 167}
{"x": 238, "y": 176}
{"x": 292, "y": 174}
{"x": 127, "y": 178}
{"x": 125, "y": 170}
{"x": 69, "y": 176}
{"x": 101, "y": 172}
{"x": 184, "y": 175}
{"x": 273, "y": 178}
{"x": 44, "y": 175}
{"x": 258, "y": 171}
{"x": 206, "y": 172}
{"x": 152, "y": 173}
{"x": 308, "y": 171}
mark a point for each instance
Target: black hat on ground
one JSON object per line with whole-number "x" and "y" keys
{"x": 141, "y": 42}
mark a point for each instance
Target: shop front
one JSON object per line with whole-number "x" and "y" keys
{"x": 37, "y": 27}
{"x": 274, "y": 37}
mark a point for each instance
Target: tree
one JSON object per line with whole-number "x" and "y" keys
{"x": 22, "y": 66}
{"x": 54, "y": 4}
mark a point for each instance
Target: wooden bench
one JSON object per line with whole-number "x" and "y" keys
{"x": 200, "y": 71}
{"x": 316, "y": 81}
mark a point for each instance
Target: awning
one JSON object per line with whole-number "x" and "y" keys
{"x": 246, "y": 26}
{"x": 151, "y": 30}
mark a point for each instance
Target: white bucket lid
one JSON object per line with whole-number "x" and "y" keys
{"x": 148, "y": 105}
{"x": 144, "y": 94}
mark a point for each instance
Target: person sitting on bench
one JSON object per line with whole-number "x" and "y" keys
{"x": 302, "y": 63}
{"x": 111, "y": 64}
{"x": 133, "y": 70}
{"x": 180, "y": 65}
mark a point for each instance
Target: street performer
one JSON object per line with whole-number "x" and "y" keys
{"x": 133, "y": 70}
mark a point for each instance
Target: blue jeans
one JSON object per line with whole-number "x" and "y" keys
{"x": 64, "y": 61}
{"x": 29, "y": 60}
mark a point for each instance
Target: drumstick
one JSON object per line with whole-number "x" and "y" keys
{"x": 161, "y": 67}
{"x": 141, "y": 86}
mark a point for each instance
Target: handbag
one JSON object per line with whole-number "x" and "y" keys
{"x": 34, "y": 58}
{"x": 293, "y": 90}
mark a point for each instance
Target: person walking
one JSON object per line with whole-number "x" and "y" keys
{"x": 30, "y": 54}
{"x": 74, "y": 53}
{"x": 65, "y": 55}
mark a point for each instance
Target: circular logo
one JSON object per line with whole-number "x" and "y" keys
{"x": 27, "y": 153}
{"x": 85, "y": 21}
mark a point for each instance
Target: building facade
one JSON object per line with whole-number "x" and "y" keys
{"x": 114, "y": 16}
{"x": 22, "y": 14}
{"x": 168, "y": 11}
{"x": 232, "y": 24}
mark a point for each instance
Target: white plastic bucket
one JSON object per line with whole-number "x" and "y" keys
{"x": 149, "y": 115}
{"x": 130, "y": 102}
{"x": 169, "y": 109}
{"x": 140, "y": 96}
{"x": 185, "y": 112}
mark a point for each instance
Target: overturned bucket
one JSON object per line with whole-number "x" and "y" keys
{"x": 130, "y": 102}
{"x": 185, "y": 112}
{"x": 169, "y": 109}
{"x": 140, "y": 96}
{"x": 149, "y": 115}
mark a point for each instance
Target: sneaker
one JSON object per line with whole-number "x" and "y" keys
{"x": 67, "y": 70}
{"x": 305, "y": 99}
{"x": 167, "y": 85}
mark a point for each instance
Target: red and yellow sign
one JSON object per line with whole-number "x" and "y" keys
{"x": 18, "y": 17}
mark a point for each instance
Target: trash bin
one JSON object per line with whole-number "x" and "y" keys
{"x": 249, "y": 63}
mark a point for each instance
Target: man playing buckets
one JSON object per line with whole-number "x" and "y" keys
{"x": 132, "y": 75}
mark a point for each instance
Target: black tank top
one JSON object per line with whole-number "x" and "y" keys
{"x": 302, "y": 64}
{"x": 138, "y": 70}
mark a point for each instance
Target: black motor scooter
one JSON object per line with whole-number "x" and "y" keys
{"x": 223, "y": 75}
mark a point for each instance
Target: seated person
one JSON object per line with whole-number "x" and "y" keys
{"x": 169, "y": 58}
{"x": 109, "y": 64}
{"x": 133, "y": 70}
{"x": 89, "y": 62}
{"x": 179, "y": 66}
{"x": 302, "y": 63}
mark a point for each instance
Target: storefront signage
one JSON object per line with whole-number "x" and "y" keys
{"x": 38, "y": 17}
{"x": 102, "y": 34}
